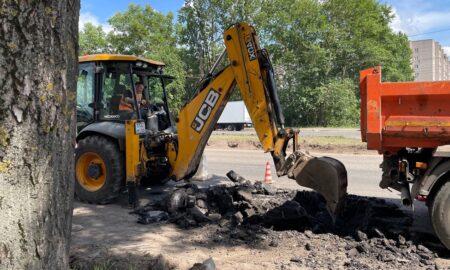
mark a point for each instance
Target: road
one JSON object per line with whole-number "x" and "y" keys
{"x": 363, "y": 170}
{"x": 351, "y": 133}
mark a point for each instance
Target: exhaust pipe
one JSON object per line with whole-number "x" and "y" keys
{"x": 405, "y": 195}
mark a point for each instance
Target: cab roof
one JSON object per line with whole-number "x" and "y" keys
{"x": 117, "y": 57}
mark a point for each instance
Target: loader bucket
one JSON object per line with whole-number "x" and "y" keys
{"x": 327, "y": 176}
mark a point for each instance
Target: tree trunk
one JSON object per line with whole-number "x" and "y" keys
{"x": 38, "y": 68}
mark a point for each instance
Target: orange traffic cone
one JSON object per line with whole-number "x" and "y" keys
{"x": 268, "y": 174}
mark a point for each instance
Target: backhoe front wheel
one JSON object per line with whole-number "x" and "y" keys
{"x": 440, "y": 214}
{"x": 99, "y": 170}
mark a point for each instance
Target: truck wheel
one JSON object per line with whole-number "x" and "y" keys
{"x": 99, "y": 170}
{"x": 239, "y": 127}
{"x": 440, "y": 214}
{"x": 230, "y": 127}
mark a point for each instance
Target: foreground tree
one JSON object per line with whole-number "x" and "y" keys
{"x": 38, "y": 67}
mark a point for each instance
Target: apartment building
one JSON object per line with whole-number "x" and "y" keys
{"x": 429, "y": 61}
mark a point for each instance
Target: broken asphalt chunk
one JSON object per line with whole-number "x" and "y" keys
{"x": 206, "y": 265}
{"x": 152, "y": 217}
{"x": 245, "y": 194}
{"x": 235, "y": 177}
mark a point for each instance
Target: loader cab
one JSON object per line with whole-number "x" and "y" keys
{"x": 106, "y": 90}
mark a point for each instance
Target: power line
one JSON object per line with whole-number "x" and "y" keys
{"x": 421, "y": 34}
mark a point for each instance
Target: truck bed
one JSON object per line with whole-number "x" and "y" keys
{"x": 406, "y": 114}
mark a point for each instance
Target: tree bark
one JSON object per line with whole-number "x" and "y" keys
{"x": 38, "y": 69}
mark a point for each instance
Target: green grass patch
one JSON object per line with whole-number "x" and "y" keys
{"x": 331, "y": 140}
{"x": 308, "y": 140}
{"x": 234, "y": 138}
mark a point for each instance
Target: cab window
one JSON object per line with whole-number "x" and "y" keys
{"x": 155, "y": 89}
{"x": 117, "y": 92}
{"x": 85, "y": 94}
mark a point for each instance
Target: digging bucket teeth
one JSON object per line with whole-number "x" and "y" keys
{"x": 325, "y": 175}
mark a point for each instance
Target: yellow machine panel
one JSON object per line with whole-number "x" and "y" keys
{"x": 242, "y": 46}
{"x": 196, "y": 122}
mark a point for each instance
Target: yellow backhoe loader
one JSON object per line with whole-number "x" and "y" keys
{"x": 121, "y": 142}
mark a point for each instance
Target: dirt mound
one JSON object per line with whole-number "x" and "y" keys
{"x": 369, "y": 229}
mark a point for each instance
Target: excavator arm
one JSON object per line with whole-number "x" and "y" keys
{"x": 251, "y": 71}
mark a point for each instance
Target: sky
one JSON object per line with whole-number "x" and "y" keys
{"x": 419, "y": 19}
{"x": 99, "y": 11}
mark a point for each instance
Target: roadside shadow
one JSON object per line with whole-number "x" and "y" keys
{"x": 104, "y": 259}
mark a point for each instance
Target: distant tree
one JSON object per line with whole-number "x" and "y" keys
{"x": 364, "y": 39}
{"x": 38, "y": 67}
{"x": 331, "y": 104}
{"x": 200, "y": 35}
{"x": 317, "y": 43}
{"x": 313, "y": 44}
{"x": 92, "y": 40}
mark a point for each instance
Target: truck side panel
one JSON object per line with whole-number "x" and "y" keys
{"x": 407, "y": 114}
{"x": 235, "y": 112}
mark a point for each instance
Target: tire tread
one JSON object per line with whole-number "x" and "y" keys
{"x": 110, "y": 191}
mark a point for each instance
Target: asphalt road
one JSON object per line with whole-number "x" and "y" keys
{"x": 352, "y": 133}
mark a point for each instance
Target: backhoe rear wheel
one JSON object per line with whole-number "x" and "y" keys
{"x": 99, "y": 170}
{"x": 440, "y": 214}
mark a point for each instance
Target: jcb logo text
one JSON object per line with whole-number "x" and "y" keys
{"x": 250, "y": 48}
{"x": 205, "y": 110}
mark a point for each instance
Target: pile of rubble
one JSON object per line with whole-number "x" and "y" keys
{"x": 192, "y": 206}
{"x": 258, "y": 214}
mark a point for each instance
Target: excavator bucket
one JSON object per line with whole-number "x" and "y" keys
{"x": 325, "y": 175}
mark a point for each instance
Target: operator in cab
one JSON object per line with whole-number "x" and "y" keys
{"x": 127, "y": 102}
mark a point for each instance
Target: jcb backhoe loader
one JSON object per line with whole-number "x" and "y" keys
{"x": 121, "y": 144}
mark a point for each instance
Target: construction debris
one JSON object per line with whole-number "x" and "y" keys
{"x": 259, "y": 214}
{"x": 152, "y": 216}
{"x": 206, "y": 265}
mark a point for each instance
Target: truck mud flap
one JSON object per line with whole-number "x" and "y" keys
{"x": 325, "y": 175}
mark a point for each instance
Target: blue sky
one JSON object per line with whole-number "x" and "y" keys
{"x": 413, "y": 17}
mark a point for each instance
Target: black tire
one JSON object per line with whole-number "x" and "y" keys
{"x": 440, "y": 214}
{"x": 230, "y": 127}
{"x": 112, "y": 170}
{"x": 239, "y": 127}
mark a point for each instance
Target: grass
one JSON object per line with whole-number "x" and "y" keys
{"x": 331, "y": 140}
{"x": 236, "y": 138}
{"x": 309, "y": 140}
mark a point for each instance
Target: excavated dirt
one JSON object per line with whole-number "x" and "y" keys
{"x": 244, "y": 225}
{"x": 370, "y": 234}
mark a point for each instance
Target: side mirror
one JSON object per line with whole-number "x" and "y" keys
{"x": 84, "y": 73}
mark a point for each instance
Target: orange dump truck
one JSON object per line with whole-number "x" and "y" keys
{"x": 409, "y": 124}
